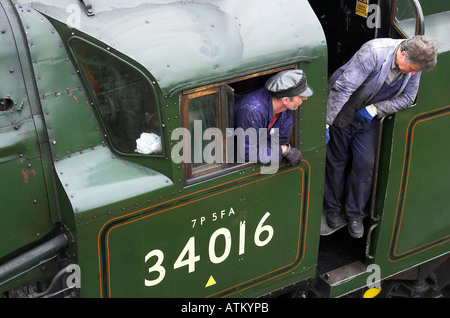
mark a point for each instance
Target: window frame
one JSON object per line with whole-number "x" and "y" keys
{"x": 145, "y": 81}
{"x": 418, "y": 19}
{"x": 190, "y": 177}
{"x": 202, "y": 170}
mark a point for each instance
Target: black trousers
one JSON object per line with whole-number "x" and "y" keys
{"x": 349, "y": 168}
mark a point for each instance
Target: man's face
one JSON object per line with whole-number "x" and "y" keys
{"x": 404, "y": 66}
{"x": 293, "y": 103}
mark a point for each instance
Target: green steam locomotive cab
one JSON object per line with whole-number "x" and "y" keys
{"x": 107, "y": 110}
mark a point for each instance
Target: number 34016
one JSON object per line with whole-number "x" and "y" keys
{"x": 263, "y": 235}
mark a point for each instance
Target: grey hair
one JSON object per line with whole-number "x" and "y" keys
{"x": 420, "y": 50}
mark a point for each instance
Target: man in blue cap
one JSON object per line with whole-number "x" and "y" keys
{"x": 271, "y": 108}
{"x": 380, "y": 79}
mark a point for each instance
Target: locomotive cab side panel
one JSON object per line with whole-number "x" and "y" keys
{"x": 117, "y": 149}
{"x": 139, "y": 222}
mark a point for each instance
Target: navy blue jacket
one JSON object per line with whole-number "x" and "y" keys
{"x": 254, "y": 111}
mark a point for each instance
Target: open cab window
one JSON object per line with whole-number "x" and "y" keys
{"x": 208, "y": 145}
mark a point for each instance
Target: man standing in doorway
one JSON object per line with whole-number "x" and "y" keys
{"x": 382, "y": 78}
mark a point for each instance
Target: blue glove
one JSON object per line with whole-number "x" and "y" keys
{"x": 328, "y": 135}
{"x": 367, "y": 113}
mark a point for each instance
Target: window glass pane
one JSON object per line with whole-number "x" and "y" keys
{"x": 404, "y": 10}
{"x": 124, "y": 97}
{"x": 203, "y": 114}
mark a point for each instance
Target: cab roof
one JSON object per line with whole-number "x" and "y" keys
{"x": 184, "y": 43}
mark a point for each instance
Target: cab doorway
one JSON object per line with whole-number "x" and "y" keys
{"x": 346, "y": 30}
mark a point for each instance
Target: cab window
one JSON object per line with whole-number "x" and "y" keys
{"x": 209, "y": 143}
{"x": 124, "y": 97}
{"x": 206, "y": 117}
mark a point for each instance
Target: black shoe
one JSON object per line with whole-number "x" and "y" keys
{"x": 333, "y": 219}
{"x": 355, "y": 228}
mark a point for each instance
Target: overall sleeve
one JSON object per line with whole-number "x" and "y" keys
{"x": 285, "y": 128}
{"x": 402, "y": 101}
{"x": 358, "y": 70}
{"x": 258, "y": 143}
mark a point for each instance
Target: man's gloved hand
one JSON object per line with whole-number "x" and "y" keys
{"x": 293, "y": 156}
{"x": 367, "y": 113}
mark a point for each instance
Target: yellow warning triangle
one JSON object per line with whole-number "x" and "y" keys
{"x": 210, "y": 282}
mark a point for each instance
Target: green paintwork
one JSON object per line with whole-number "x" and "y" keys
{"x": 134, "y": 226}
{"x": 198, "y": 217}
{"x": 118, "y": 208}
{"x": 186, "y": 43}
{"x": 415, "y": 203}
{"x": 24, "y": 217}
{"x": 412, "y": 199}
